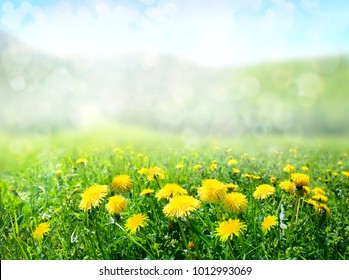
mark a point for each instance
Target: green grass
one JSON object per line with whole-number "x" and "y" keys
{"x": 32, "y": 193}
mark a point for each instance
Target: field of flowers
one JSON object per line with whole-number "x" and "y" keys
{"x": 226, "y": 200}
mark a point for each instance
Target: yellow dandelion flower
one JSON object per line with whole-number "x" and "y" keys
{"x": 335, "y": 174}
{"x": 180, "y": 166}
{"x": 272, "y": 180}
{"x": 263, "y": 191}
{"x": 305, "y": 168}
{"x": 146, "y": 192}
{"x": 235, "y": 202}
{"x": 155, "y": 173}
{"x": 213, "y": 166}
{"x": 170, "y": 190}
{"x": 268, "y": 223}
{"x": 142, "y": 171}
{"x": 116, "y": 204}
{"x": 318, "y": 190}
{"x": 41, "y": 230}
{"x": 58, "y": 173}
{"x": 232, "y": 187}
{"x": 236, "y": 171}
{"x": 251, "y": 176}
{"x": 93, "y": 196}
{"x": 345, "y": 173}
{"x": 136, "y": 222}
{"x": 319, "y": 207}
{"x": 227, "y": 229}
{"x": 288, "y": 186}
{"x": 140, "y": 155}
{"x": 312, "y": 202}
{"x": 289, "y": 168}
{"x": 232, "y": 162}
{"x": 198, "y": 166}
{"x": 340, "y": 163}
{"x": 300, "y": 179}
{"x": 121, "y": 183}
{"x": 320, "y": 197}
{"x": 181, "y": 206}
{"x": 212, "y": 190}
{"x": 82, "y": 161}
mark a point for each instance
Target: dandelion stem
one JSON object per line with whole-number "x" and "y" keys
{"x": 184, "y": 237}
{"x": 135, "y": 241}
{"x": 157, "y": 182}
{"x": 295, "y": 212}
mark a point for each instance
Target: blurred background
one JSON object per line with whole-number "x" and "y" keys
{"x": 197, "y": 67}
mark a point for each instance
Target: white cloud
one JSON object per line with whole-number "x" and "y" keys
{"x": 204, "y": 31}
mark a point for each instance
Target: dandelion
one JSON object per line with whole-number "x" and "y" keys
{"x": 212, "y": 190}
{"x": 180, "y": 166}
{"x": 155, "y": 173}
{"x": 251, "y": 176}
{"x": 93, "y": 196}
{"x": 232, "y": 162}
{"x": 320, "y": 197}
{"x": 319, "y": 207}
{"x": 318, "y": 190}
{"x": 82, "y": 161}
{"x": 235, "y": 202}
{"x": 121, "y": 183}
{"x": 146, "y": 192}
{"x": 227, "y": 229}
{"x": 268, "y": 223}
{"x": 181, "y": 206}
{"x": 312, "y": 202}
{"x": 58, "y": 172}
{"x": 305, "y": 168}
{"x": 41, "y": 230}
{"x": 236, "y": 171}
{"x": 170, "y": 190}
{"x": 136, "y": 222}
{"x": 116, "y": 204}
{"x": 142, "y": 171}
{"x": 213, "y": 166}
{"x": 289, "y": 168}
{"x": 263, "y": 191}
{"x": 340, "y": 163}
{"x": 198, "y": 166}
{"x": 300, "y": 179}
{"x": 232, "y": 187}
{"x": 345, "y": 173}
{"x": 288, "y": 186}
{"x": 272, "y": 180}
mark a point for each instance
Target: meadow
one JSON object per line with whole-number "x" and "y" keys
{"x": 128, "y": 193}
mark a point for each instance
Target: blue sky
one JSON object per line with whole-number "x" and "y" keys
{"x": 208, "y": 32}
